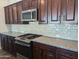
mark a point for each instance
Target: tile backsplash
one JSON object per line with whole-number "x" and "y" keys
{"x": 65, "y": 31}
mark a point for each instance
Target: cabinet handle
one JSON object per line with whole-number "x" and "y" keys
{"x": 64, "y": 17}
{"x": 60, "y": 19}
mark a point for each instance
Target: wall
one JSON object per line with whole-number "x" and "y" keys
{"x": 2, "y": 17}
{"x": 65, "y": 31}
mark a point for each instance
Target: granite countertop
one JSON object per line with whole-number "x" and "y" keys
{"x": 57, "y": 42}
{"x": 14, "y": 34}
{"x": 62, "y": 43}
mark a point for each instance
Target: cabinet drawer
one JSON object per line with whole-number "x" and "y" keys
{"x": 67, "y": 53}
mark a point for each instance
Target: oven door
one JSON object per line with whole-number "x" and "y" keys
{"x": 23, "y": 49}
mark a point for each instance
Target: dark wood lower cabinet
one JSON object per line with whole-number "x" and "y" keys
{"x": 7, "y": 44}
{"x": 37, "y": 53}
{"x": 62, "y": 57}
{"x": 49, "y": 55}
{"x": 2, "y": 42}
{"x": 42, "y": 51}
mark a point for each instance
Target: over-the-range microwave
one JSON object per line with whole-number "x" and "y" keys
{"x": 29, "y": 15}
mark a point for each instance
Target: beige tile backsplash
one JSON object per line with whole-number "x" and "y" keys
{"x": 66, "y": 31}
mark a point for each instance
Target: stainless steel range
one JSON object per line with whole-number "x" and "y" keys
{"x": 23, "y": 45}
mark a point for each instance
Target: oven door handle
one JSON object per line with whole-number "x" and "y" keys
{"x": 23, "y": 44}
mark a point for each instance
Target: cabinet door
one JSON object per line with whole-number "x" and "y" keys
{"x": 33, "y": 4}
{"x": 54, "y": 11}
{"x": 48, "y": 55}
{"x": 10, "y": 14}
{"x": 19, "y": 10}
{"x": 68, "y": 10}
{"x": 26, "y": 4}
{"x": 11, "y": 45}
{"x": 14, "y": 8}
{"x": 42, "y": 5}
{"x": 6, "y": 43}
{"x": 62, "y": 57}
{"x": 2, "y": 42}
{"x": 37, "y": 53}
{"x": 6, "y": 9}
{"x": 76, "y": 11}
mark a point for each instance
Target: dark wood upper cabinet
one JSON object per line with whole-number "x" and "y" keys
{"x": 76, "y": 11}
{"x": 34, "y": 4}
{"x": 54, "y": 11}
{"x": 42, "y": 11}
{"x": 68, "y": 10}
{"x": 6, "y": 9}
{"x": 13, "y": 13}
{"x": 48, "y": 11}
{"x": 10, "y": 14}
{"x": 57, "y": 11}
{"x": 19, "y": 10}
{"x": 26, "y": 4}
{"x": 29, "y": 4}
{"x": 14, "y": 9}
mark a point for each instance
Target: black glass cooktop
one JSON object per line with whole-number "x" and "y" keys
{"x": 29, "y": 36}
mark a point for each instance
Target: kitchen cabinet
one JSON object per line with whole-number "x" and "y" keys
{"x": 10, "y": 14}
{"x": 34, "y": 4}
{"x": 48, "y": 11}
{"x": 26, "y": 4}
{"x": 42, "y": 11}
{"x": 38, "y": 53}
{"x": 2, "y": 41}
{"x": 7, "y": 44}
{"x": 29, "y": 4}
{"x": 14, "y": 9}
{"x": 11, "y": 42}
{"x": 66, "y": 54}
{"x": 68, "y": 10}
{"x": 19, "y": 10}
{"x": 13, "y": 13}
{"x": 76, "y": 11}
{"x": 54, "y": 11}
{"x": 43, "y": 51}
{"x": 58, "y": 11}
{"x": 7, "y": 20}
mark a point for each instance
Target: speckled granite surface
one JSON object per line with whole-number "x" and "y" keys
{"x": 62, "y": 43}
{"x": 57, "y": 42}
{"x": 14, "y": 34}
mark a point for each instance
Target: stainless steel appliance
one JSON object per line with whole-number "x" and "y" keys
{"x": 29, "y": 15}
{"x": 23, "y": 45}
